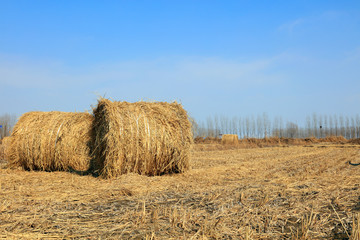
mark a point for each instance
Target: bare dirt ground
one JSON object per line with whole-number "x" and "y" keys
{"x": 296, "y": 192}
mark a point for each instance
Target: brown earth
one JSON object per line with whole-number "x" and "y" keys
{"x": 292, "y": 192}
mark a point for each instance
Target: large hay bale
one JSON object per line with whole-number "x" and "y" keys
{"x": 230, "y": 139}
{"x": 51, "y": 141}
{"x": 148, "y": 138}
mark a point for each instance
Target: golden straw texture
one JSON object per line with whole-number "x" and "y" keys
{"x": 149, "y": 138}
{"x": 3, "y": 148}
{"x": 51, "y": 141}
{"x": 230, "y": 139}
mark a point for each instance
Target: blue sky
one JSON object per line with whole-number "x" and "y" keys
{"x": 231, "y": 58}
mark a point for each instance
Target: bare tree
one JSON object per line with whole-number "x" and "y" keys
{"x": 336, "y": 125}
{"x": 259, "y": 124}
{"x": 240, "y": 130}
{"x": 320, "y": 126}
{"x": 276, "y": 127}
{"x": 353, "y": 128}
{"x": 202, "y": 130}
{"x": 308, "y": 126}
{"x": 314, "y": 126}
{"x": 326, "y": 126}
{"x": 342, "y": 126}
{"x": 347, "y": 127}
{"x": 267, "y": 124}
{"x": 247, "y": 127}
{"x": 7, "y": 122}
{"x": 210, "y": 127}
{"x": 217, "y": 126}
{"x": 291, "y": 129}
{"x": 281, "y": 127}
{"x": 234, "y": 125}
{"x": 223, "y": 125}
{"x": 331, "y": 126}
{"x": 253, "y": 126}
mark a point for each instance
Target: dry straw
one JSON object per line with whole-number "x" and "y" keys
{"x": 149, "y": 138}
{"x": 51, "y": 141}
{"x": 3, "y": 148}
{"x": 230, "y": 139}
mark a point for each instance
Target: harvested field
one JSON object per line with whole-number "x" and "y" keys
{"x": 292, "y": 192}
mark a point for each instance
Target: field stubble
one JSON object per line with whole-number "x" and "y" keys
{"x": 291, "y": 192}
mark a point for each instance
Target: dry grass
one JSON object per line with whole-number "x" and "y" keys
{"x": 290, "y": 192}
{"x": 212, "y": 143}
{"x": 149, "y": 138}
{"x": 51, "y": 141}
{"x": 4, "y": 143}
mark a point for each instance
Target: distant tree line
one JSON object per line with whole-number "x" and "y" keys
{"x": 262, "y": 126}
{"x": 7, "y": 122}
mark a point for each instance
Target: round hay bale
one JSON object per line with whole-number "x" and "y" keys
{"x": 51, "y": 141}
{"x": 230, "y": 139}
{"x": 148, "y": 138}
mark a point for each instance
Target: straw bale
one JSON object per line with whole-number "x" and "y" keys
{"x": 231, "y": 139}
{"x": 333, "y": 139}
{"x": 148, "y": 138}
{"x": 51, "y": 141}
